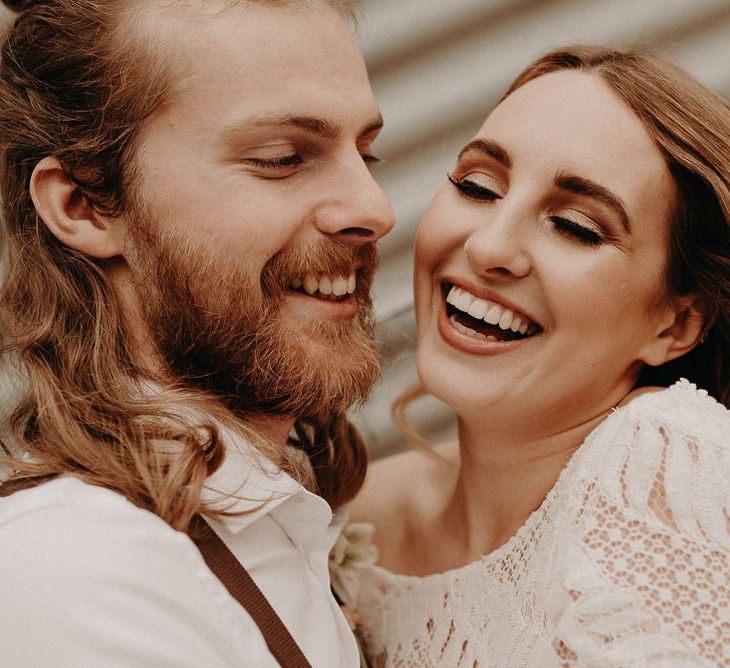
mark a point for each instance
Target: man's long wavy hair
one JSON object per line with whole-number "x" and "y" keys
{"x": 76, "y": 85}
{"x": 691, "y": 127}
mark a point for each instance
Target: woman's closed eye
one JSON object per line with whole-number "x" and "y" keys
{"x": 582, "y": 232}
{"x": 478, "y": 186}
{"x": 574, "y": 225}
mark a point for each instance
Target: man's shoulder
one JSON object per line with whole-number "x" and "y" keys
{"x": 64, "y": 490}
{"x": 90, "y": 530}
{"x": 69, "y": 507}
{"x": 98, "y": 572}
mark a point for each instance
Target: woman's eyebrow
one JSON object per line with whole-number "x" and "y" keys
{"x": 489, "y": 148}
{"x": 579, "y": 185}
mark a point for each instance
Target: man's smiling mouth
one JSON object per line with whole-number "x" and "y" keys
{"x": 483, "y": 319}
{"x": 326, "y": 287}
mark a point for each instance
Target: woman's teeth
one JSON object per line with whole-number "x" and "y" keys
{"x": 470, "y": 332}
{"x": 490, "y": 312}
{"x": 336, "y": 286}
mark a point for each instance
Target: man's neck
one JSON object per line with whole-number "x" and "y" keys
{"x": 275, "y": 428}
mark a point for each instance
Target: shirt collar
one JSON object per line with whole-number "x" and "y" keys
{"x": 249, "y": 484}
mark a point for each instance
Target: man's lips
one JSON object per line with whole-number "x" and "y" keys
{"x": 302, "y": 306}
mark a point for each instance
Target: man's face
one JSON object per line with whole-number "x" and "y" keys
{"x": 251, "y": 240}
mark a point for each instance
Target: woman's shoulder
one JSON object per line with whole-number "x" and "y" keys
{"x": 673, "y": 417}
{"x": 664, "y": 456}
{"x": 646, "y": 540}
{"x": 406, "y": 481}
{"x": 679, "y": 431}
{"x": 683, "y": 407}
{"x": 403, "y": 490}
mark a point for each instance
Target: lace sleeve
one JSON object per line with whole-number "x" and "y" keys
{"x": 651, "y": 582}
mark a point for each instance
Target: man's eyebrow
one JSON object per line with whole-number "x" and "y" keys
{"x": 587, "y": 188}
{"x": 313, "y": 125}
{"x": 490, "y": 148}
{"x": 316, "y": 126}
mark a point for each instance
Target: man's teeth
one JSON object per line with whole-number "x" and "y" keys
{"x": 326, "y": 285}
{"x": 490, "y": 312}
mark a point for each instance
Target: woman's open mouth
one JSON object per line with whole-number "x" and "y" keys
{"x": 485, "y": 320}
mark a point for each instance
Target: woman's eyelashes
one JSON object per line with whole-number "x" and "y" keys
{"x": 369, "y": 159}
{"x": 576, "y": 231}
{"x": 476, "y": 186}
{"x": 481, "y": 187}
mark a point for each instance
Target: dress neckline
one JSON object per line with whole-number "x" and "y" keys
{"x": 543, "y": 510}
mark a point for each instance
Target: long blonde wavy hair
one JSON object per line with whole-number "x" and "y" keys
{"x": 74, "y": 84}
{"x": 691, "y": 127}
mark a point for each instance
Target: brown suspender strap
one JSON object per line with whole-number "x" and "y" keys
{"x": 232, "y": 575}
{"x": 241, "y": 586}
{"x": 7, "y": 487}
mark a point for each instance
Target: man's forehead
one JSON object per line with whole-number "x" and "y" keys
{"x": 254, "y": 64}
{"x": 252, "y": 73}
{"x": 187, "y": 33}
{"x": 186, "y": 12}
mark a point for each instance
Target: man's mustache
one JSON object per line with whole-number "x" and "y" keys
{"x": 333, "y": 258}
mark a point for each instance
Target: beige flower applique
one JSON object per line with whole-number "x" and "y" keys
{"x": 354, "y": 548}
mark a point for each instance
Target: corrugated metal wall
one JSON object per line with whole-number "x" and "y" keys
{"x": 437, "y": 67}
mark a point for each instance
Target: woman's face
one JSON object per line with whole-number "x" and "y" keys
{"x": 540, "y": 267}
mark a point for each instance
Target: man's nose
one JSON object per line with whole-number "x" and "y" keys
{"x": 356, "y": 209}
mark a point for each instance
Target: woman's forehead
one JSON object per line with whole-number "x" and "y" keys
{"x": 573, "y": 122}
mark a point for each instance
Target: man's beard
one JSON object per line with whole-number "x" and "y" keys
{"x": 218, "y": 331}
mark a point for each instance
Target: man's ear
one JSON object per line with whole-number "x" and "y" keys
{"x": 680, "y": 330}
{"x": 67, "y": 213}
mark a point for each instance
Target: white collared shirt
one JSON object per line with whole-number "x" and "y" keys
{"x": 89, "y": 579}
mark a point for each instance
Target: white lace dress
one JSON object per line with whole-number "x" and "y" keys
{"x": 626, "y": 562}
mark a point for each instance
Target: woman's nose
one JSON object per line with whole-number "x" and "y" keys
{"x": 496, "y": 248}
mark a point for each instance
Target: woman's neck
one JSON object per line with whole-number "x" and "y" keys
{"x": 501, "y": 481}
{"x": 445, "y": 516}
